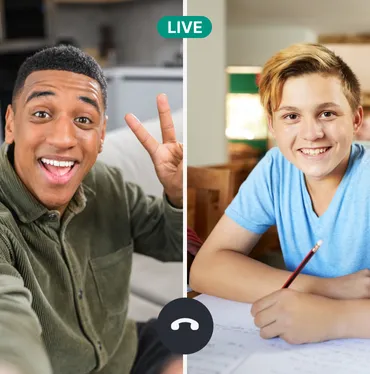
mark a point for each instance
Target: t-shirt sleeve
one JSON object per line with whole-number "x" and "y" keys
{"x": 253, "y": 206}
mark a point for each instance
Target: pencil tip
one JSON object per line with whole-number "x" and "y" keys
{"x": 319, "y": 242}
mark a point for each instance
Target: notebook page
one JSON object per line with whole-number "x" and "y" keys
{"x": 237, "y": 348}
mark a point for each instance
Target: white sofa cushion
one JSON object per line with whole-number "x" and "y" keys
{"x": 156, "y": 281}
{"x": 142, "y": 310}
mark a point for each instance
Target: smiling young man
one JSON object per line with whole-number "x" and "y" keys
{"x": 314, "y": 185}
{"x": 69, "y": 225}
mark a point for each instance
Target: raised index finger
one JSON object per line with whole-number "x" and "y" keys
{"x": 148, "y": 142}
{"x": 165, "y": 118}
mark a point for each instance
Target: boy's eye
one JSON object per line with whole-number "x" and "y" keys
{"x": 291, "y": 116}
{"x": 327, "y": 114}
{"x": 83, "y": 120}
{"x": 41, "y": 114}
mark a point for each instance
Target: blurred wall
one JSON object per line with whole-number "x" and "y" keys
{"x": 80, "y": 22}
{"x": 253, "y": 45}
{"x": 135, "y": 25}
{"x": 149, "y": 47}
{"x": 206, "y": 86}
{"x": 357, "y": 56}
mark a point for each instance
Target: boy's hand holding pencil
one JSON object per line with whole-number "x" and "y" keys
{"x": 297, "y": 317}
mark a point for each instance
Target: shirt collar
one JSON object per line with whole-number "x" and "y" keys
{"x": 16, "y": 197}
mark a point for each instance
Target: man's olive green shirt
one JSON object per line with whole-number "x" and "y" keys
{"x": 64, "y": 281}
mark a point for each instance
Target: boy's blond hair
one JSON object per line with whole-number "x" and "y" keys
{"x": 302, "y": 59}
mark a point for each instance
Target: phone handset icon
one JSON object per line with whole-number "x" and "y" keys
{"x": 194, "y": 325}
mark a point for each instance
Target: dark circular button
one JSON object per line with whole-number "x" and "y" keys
{"x": 185, "y": 326}
{"x": 53, "y": 216}
{"x": 80, "y": 294}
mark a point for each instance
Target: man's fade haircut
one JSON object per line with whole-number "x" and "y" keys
{"x": 64, "y": 58}
{"x": 302, "y": 59}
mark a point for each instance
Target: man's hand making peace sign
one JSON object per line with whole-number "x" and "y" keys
{"x": 167, "y": 157}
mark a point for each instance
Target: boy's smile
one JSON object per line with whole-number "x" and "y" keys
{"x": 314, "y": 125}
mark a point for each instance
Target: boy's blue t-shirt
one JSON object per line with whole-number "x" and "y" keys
{"x": 275, "y": 193}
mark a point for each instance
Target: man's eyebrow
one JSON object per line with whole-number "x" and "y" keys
{"x": 85, "y": 99}
{"x": 36, "y": 94}
{"x": 90, "y": 101}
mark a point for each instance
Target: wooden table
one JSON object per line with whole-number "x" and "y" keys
{"x": 192, "y": 294}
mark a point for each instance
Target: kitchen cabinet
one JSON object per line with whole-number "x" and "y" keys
{"x": 134, "y": 90}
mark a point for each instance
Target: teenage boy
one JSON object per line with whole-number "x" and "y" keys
{"x": 314, "y": 186}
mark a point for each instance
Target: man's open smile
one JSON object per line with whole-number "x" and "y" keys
{"x": 58, "y": 170}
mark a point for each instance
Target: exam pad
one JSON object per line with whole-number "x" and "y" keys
{"x": 237, "y": 348}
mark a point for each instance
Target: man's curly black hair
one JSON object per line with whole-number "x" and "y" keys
{"x": 65, "y": 58}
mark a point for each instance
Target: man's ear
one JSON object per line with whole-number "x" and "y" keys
{"x": 358, "y": 119}
{"x": 102, "y": 137}
{"x": 9, "y": 125}
{"x": 270, "y": 126}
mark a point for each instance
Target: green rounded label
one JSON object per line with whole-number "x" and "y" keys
{"x": 181, "y": 27}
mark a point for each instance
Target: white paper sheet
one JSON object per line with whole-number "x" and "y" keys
{"x": 236, "y": 348}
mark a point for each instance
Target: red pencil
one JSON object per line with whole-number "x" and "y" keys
{"x": 302, "y": 264}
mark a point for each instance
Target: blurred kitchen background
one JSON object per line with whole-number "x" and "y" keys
{"x": 121, "y": 34}
{"x": 226, "y": 128}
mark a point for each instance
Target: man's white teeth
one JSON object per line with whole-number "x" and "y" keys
{"x": 62, "y": 164}
{"x": 313, "y": 152}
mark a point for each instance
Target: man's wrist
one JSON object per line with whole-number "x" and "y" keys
{"x": 175, "y": 199}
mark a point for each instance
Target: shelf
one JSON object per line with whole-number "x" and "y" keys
{"x": 21, "y": 45}
{"x": 88, "y": 1}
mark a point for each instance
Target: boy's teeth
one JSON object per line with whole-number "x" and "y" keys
{"x": 313, "y": 152}
{"x": 62, "y": 164}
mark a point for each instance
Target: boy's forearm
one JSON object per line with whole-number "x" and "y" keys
{"x": 353, "y": 319}
{"x": 233, "y": 275}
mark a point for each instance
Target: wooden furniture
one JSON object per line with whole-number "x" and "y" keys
{"x": 240, "y": 171}
{"x": 268, "y": 246}
{"x": 192, "y": 294}
{"x": 210, "y": 191}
